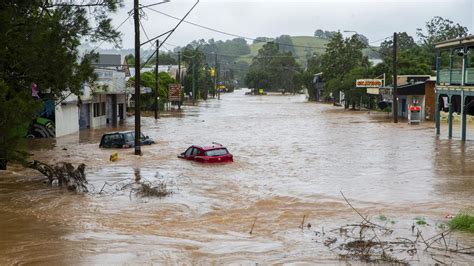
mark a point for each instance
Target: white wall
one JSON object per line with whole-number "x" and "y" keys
{"x": 99, "y": 120}
{"x": 67, "y": 117}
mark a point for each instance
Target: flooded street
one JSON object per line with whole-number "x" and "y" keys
{"x": 291, "y": 159}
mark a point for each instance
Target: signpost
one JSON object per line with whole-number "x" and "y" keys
{"x": 369, "y": 83}
{"x": 174, "y": 93}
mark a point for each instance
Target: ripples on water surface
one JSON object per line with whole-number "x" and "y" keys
{"x": 292, "y": 158}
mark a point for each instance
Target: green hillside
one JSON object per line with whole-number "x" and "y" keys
{"x": 305, "y": 45}
{"x": 308, "y": 41}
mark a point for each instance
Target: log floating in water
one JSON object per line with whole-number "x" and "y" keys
{"x": 64, "y": 173}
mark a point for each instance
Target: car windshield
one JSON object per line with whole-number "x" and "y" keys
{"x": 142, "y": 136}
{"x": 217, "y": 152}
{"x": 128, "y": 137}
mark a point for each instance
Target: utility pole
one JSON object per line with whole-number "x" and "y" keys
{"x": 157, "y": 79}
{"x": 194, "y": 81}
{"x": 179, "y": 76}
{"x": 136, "y": 19}
{"x": 395, "y": 92}
{"x": 215, "y": 76}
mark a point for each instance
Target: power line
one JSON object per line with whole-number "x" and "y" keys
{"x": 231, "y": 34}
{"x": 381, "y": 39}
{"x": 172, "y": 30}
{"x": 116, "y": 28}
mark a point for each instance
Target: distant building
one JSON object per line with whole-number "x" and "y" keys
{"x": 318, "y": 87}
{"x": 104, "y": 101}
{"x": 412, "y": 90}
{"x": 172, "y": 70}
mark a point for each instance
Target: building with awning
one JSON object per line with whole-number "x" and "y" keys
{"x": 455, "y": 81}
{"x": 412, "y": 90}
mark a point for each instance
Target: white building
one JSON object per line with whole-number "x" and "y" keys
{"x": 104, "y": 102}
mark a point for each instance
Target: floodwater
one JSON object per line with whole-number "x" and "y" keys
{"x": 292, "y": 159}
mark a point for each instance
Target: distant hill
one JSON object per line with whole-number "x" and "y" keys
{"x": 305, "y": 46}
{"x": 313, "y": 44}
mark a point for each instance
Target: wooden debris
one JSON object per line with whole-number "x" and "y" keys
{"x": 65, "y": 174}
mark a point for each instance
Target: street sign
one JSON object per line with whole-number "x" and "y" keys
{"x": 369, "y": 83}
{"x": 385, "y": 91}
{"x": 174, "y": 92}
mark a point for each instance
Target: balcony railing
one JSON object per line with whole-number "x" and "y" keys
{"x": 454, "y": 77}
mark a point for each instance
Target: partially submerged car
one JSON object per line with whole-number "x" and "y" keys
{"x": 125, "y": 139}
{"x": 215, "y": 153}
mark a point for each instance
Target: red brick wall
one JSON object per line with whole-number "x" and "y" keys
{"x": 430, "y": 100}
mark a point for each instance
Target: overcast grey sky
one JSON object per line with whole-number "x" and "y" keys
{"x": 374, "y": 19}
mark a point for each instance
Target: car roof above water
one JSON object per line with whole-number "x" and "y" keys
{"x": 210, "y": 147}
{"x": 118, "y": 132}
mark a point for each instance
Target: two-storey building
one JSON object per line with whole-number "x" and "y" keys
{"x": 455, "y": 81}
{"x": 105, "y": 101}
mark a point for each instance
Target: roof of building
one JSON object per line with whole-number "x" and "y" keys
{"x": 468, "y": 40}
{"x": 108, "y": 60}
{"x": 417, "y": 88}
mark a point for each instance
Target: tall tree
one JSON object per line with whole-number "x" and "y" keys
{"x": 404, "y": 42}
{"x": 286, "y": 44}
{"x": 440, "y": 29}
{"x": 39, "y": 42}
{"x": 341, "y": 57}
{"x": 197, "y": 69}
{"x": 273, "y": 70}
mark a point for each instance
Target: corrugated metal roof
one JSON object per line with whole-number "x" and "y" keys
{"x": 108, "y": 60}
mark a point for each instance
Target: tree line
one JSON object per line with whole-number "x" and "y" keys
{"x": 343, "y": 62}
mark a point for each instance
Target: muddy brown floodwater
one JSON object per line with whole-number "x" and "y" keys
{"x": 292, "y": 158}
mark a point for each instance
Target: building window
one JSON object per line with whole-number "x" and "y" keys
{"x": 103, "y": 108}
{"x": 96, "y": 109}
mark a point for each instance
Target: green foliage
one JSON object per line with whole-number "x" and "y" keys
{"x": 148, "y": 79}
{"x": 404, "y": 42}
{"x": 17, "y": 110}
{"x": 324, "y": 33}
{"x": 164, "y": 59}
{"x": 39, "y": 44}
{"x": 130, "y": 59}
{"x": 342, "y": 64}
{"x": 462, "y": 221}
{"x": 440, "y": 29}
{"x": 420, "y": 221}
{"x": 285, "y": 44}
{"x": 274, "y": 70}
{"x": 198, "y": 69}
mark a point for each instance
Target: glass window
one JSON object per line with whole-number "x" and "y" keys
{"x": 188, "y": 152}
{"x": 129, "y": 137}
{"x": 195, "y": 152}
{"x": 217, "y": 152}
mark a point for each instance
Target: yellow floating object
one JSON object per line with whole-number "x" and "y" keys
{"x": 114, "y": 157}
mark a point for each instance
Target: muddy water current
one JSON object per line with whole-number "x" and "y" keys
{"x": 292, "y": 159}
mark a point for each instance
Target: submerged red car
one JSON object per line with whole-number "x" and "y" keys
{"x": 215, "y": 153}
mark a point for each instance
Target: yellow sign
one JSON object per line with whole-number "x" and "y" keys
{"x": 213, "y": 72}
{"x": 369, "y": 83}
